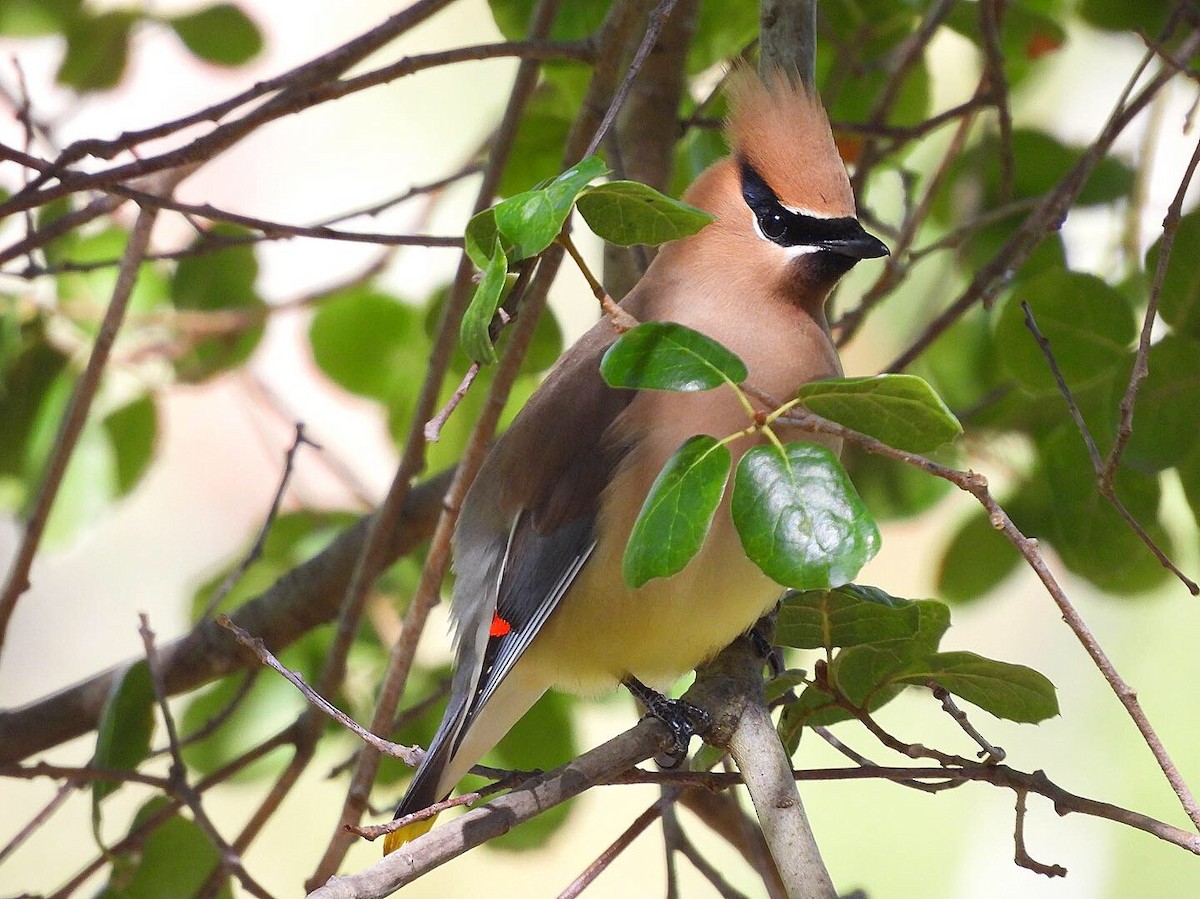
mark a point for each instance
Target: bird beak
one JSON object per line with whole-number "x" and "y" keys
{"x": 856, "y": 243}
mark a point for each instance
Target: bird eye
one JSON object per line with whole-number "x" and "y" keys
{"x": 773, "y": 225}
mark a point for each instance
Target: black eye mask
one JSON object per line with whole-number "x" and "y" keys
{"x": 795, "y": 229}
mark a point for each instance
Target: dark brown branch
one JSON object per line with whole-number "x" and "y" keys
{"x": 300, "y": 600}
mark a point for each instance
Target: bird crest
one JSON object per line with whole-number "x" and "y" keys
{"x": 781, "y": 130}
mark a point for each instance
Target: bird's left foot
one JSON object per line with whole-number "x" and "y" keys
{"x": 682, "y": 719}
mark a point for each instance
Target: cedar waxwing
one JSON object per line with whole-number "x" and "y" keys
{"x": 540, "y": 600}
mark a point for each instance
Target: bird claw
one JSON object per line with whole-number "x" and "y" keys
{"x": 681, "y": 718}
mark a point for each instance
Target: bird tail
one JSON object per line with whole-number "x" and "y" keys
{"x": 462, "y": 739}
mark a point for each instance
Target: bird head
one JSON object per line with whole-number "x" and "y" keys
{"x": 782, "y": 198}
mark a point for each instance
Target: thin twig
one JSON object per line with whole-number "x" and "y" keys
{"x": 977, "y": 485}
{"x": 255, "y": 553}
{"x": 1141, "y": 367}
{"x": 622, "y": 320}
{"x": 654, "y": 25}
{"x": 396, "y": 750}
{"x": 610, "y": 854}
{"x": 73, "y": 420}
{"x": 1107, "y": 490}
{"x": 179, "y": 785}
{"x": 1020, "y": 856}
{"x": 1049, "y": 213}
{"x": 991, "y": 754}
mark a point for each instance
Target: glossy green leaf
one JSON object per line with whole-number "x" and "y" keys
{"x": 799, "y": 518}
{"x": 628, "y": 213}
{"x": 1008, "y": 691}
{"x": 133, "y": 431}
{"x": 223, "y": 280}
{"x": 669, "y": 356}
{"x": 475, "y": 331}
{"x": 903, "y": 411}
{"x": 863, "y": 672}
{"x": 1166, "y": 420}
{"x": 1088, "y": 323}
{"x": 678, "y": 511}
{"x": 221, "y": 34}
{"x": 97, "y": 51}
{"x": 175, "y": 860}
{"x": 528, "y": 222}
{"x": 370, "y": 343}
{"x": 1179, "y": 302}
{"x": 126, "y": 725}
{"x": 846, "y": 616}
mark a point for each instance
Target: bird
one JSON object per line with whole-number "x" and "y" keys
{"x": 539, "y": 600}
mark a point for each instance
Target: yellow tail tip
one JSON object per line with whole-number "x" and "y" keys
{"x": 407, "y": 834}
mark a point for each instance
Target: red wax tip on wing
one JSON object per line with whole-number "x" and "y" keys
{"x": 499, "y": 627}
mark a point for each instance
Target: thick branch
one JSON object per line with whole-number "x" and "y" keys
{"x": 300, "y": 600}
{"x": 499, "y": 816}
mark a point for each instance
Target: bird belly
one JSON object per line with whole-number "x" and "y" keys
{"x": 604, "y": 630}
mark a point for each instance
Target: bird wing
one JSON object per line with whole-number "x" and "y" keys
{"x": 526, "y": 530}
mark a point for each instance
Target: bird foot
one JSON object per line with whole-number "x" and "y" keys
{"x": 682, "y": 719}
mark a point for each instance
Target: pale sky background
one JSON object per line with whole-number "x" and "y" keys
{"x": 219, "y": 459}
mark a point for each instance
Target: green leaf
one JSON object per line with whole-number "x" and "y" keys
{"x": 575, "y": 20}
{"x": 475, "y": 331}
{"x": 901, "y": 410}
{"x": 126, "y": 725}
{"x": 97, "y": 51}
{"x": 1166, "y": 425}
{"x": 220, "y": 281}
{"x": 1008, "y": 691}
{"x": 1179, "y": 302}
{"x": 528, "y": 222}
{"x": 846, "y": 616}
{"x": 678, "y": 511}
{"x": 221, "y": 34}
{"x": 628, "y": 212}
{"x": 723, "y": 30}
{"x": 1088, "y": 323}
{"x": 37, "y": 18}
{"x": 977, "y": 559}
{"x": 1092, "y": 539}
{"x": 480, "y": 238}
{"x": 370, "y": 343}
{"x": 799, "y": 518}
{"x": 175, "y": 860}
{"x": 1147, "y": 16}
{"x": 133, "y": 430}
{"x": 669, "y": 356}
